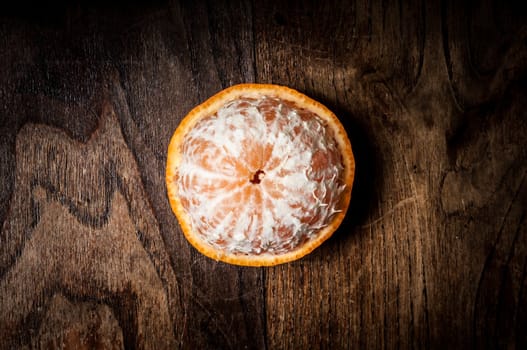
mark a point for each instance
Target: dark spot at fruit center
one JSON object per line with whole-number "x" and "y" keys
{"x": 257, "y": 177}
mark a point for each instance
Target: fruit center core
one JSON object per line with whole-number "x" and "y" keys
{"x": 257, "y": 177}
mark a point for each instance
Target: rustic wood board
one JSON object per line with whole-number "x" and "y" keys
{"x": 433, "y": 252}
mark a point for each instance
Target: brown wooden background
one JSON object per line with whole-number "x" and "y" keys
{"x": 433, "y": 253}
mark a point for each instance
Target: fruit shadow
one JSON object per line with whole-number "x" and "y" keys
{"x": 368, "y": 172}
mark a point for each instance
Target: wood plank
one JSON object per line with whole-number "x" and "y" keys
{"x": 405, "y": 274}
{"x": 145, "y": 85}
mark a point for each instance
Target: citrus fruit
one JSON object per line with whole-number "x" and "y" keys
{"x": 259, "y": 175}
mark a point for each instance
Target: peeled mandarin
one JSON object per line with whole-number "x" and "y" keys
{"x": 259, "y": 175}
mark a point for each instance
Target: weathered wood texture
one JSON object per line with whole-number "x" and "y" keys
{"x": 433, "y": 253}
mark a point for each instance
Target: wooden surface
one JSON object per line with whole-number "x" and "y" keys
{"x": 432, "y": 254}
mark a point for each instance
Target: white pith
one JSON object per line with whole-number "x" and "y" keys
{"x": 292, "y": 201}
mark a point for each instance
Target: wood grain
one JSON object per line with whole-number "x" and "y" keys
{"x": 433, "y": 252}
{"x": 69, "y": 225}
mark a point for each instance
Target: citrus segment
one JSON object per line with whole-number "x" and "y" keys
{"x": 259, "y": 175}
